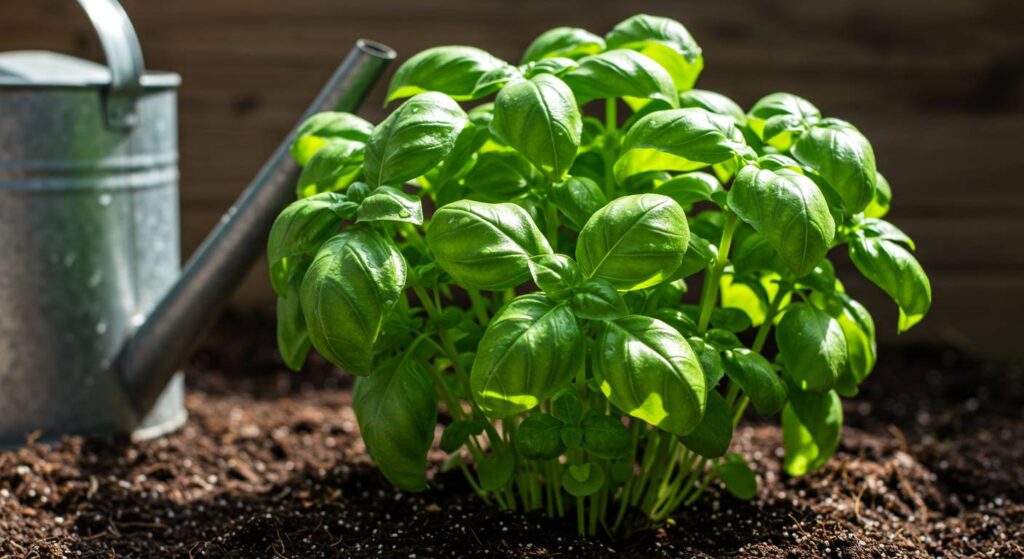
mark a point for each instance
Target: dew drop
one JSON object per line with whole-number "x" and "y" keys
{"x": 105, "y": 199}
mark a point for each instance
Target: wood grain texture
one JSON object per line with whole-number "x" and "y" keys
{"x": 937, "y": 85}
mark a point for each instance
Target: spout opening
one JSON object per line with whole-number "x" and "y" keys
{"x": 379, "y": 50}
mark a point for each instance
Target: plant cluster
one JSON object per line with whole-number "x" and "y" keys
{"x": 526, "y": 266}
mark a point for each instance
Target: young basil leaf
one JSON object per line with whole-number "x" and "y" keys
{"x": 572, "y": 436}
{"x": 332, "y": 168}
{"x": 722, "y": 339}
{"x": 620, "y": 73}
{"x": 496, "y": 471}
{"x": 501, "y": 175}
{"x": 292, "y": 340}
{"x": 737, "y": 476}
{"x": 758, "y": 380}
{"x": 583, "y": 480}
{"x": 895, "y": 270}
{"x": 387, "y": 203}
{"x": 880, "y": 229}
{"x": 452, "y": 70}
{"x": 879, "y": 205}
{"x": 578, "y": 198}
{"x": 461, "y": 158}
{"x": 568, "y": 42}
{"x": 494, "y": 80}
{"x": 711, "y": 437}
{"x": 781, "y": 104}
{"x": 530, "y": 350}
{"x": 597, "y": 299}
{"x": 397, "y": 410}
{"x": 678, "y": 140}
{"x": 712, "y": 102}
{"x": 664, "y": 40}
{"x": 733, "y": 320}
{"x": 679, "y": 320}
{"x": 538, "y": 117}
{"x": 567, "y": 406}
{"x": 555, "y": 274}
{"x": 645, "y": 368}
{"x": 812, "y": 346}
{"x": 843, "y": 157}
{"x": 789, "y": 211}
{"x": 811, "y": 426}
{"x": 634, "y": 242}
{"x": 689, "y": 188}
{"x": 352, "y": 285}
{"x": 710, "y": 360}
{"x": 299, "y": 231}
{"x": 537, "y": 437}
{"x": 698, "y": 256}
{"x": 324, "y": 128}
{"x": 859, "y": 331}
{"x": 605, "y": 437}
{"x": 485, "y": 246}
{"x": 555, "y": 66}
{"x": 458, "y": 432}
{"x": 413, "y": 139}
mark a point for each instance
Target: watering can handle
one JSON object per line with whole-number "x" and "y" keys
{"x": 124, "y": 59}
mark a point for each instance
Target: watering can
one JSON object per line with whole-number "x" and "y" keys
{"x": 94, "y": 316}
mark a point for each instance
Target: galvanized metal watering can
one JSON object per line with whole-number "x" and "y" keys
{"x": 94, "y": 317}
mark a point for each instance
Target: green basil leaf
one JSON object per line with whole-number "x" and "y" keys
{"x": 678, "y": 140}
{"x": 413, "y": 139}
{"x": 387, "y": 203}
{"x": 895, "y": 270}
{"x": 352, "y": 285}
{"x": 537, "y": 437}
{"x": 789, "y": 211}
{"x": 781, "y": 104}
{"x": 880, "y": 229}
{"x": 711, "y": 437}
{"x": 710, "y": 360}
{"x": 645, "y": 368}
{"x": 494, "y": 80}
{"x": 698, "y": 257}
{"x": 664, "y": 40}
{"x": 859, "y": 331}
{"x": 713, "y": 103}
{"x": 597, "y": 299}
{"x": 758, "y": 380}
{"x": 458, "y": 432}
{"x": 843, "y": 158}
{"x": 539, "y": 118}
{"x": 496, "y": 471}
{"x": 733, "y": 320}
{"x": 501, "y": 176}
{"x": 452, "y": 70}
{"x": 879, "y": 205}
{"x": 555, "y": 274}
{"x": 555, "y": 66}
{"x": 567, "y": 406}
{"x": 572, "y": 436}
{"x": 300, "y": 230}
{"x": 292, "y": 339}
{"x": 812, "y": 346}
{"x": 690, "y": 188}
{"x": 530, "y": 350}
{"x": 811, "y": 427}
{"x": 332, "y": 168}
{"x": 397, "y": 411}
{"x": 605, "y": 437}
{"x": 678, "y": 320}
{"x": 568, "y": 42}
{"x": 583, "y": 480}
{"x": 737, "y": 476}
{"x": 634, "y": 242}
{"x": 620, "y": 73}
{"x": 485, "y": 246}
{"x": 462, "y": 157}
{"x": 324, "y": 128}
{"x": 578, "y": 198}
{"x": 722, "y": 339}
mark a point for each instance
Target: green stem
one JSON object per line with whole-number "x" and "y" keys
{"x": 611, "y": 124}
{"x": 479, "y": 306}
{"x": 551, "y": 224}
{"x": 714, "y": 275}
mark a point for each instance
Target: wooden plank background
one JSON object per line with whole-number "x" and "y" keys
{"x": 937, "y": 85}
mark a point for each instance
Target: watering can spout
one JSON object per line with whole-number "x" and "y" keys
{"x": 153, "y": 354}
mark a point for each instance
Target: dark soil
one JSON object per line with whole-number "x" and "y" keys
{"x": 271, "y": 465}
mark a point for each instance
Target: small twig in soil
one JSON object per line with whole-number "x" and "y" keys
{"x": 799, "y": 526}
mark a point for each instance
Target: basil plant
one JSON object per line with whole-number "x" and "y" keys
{"x": 515, "y": 246}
